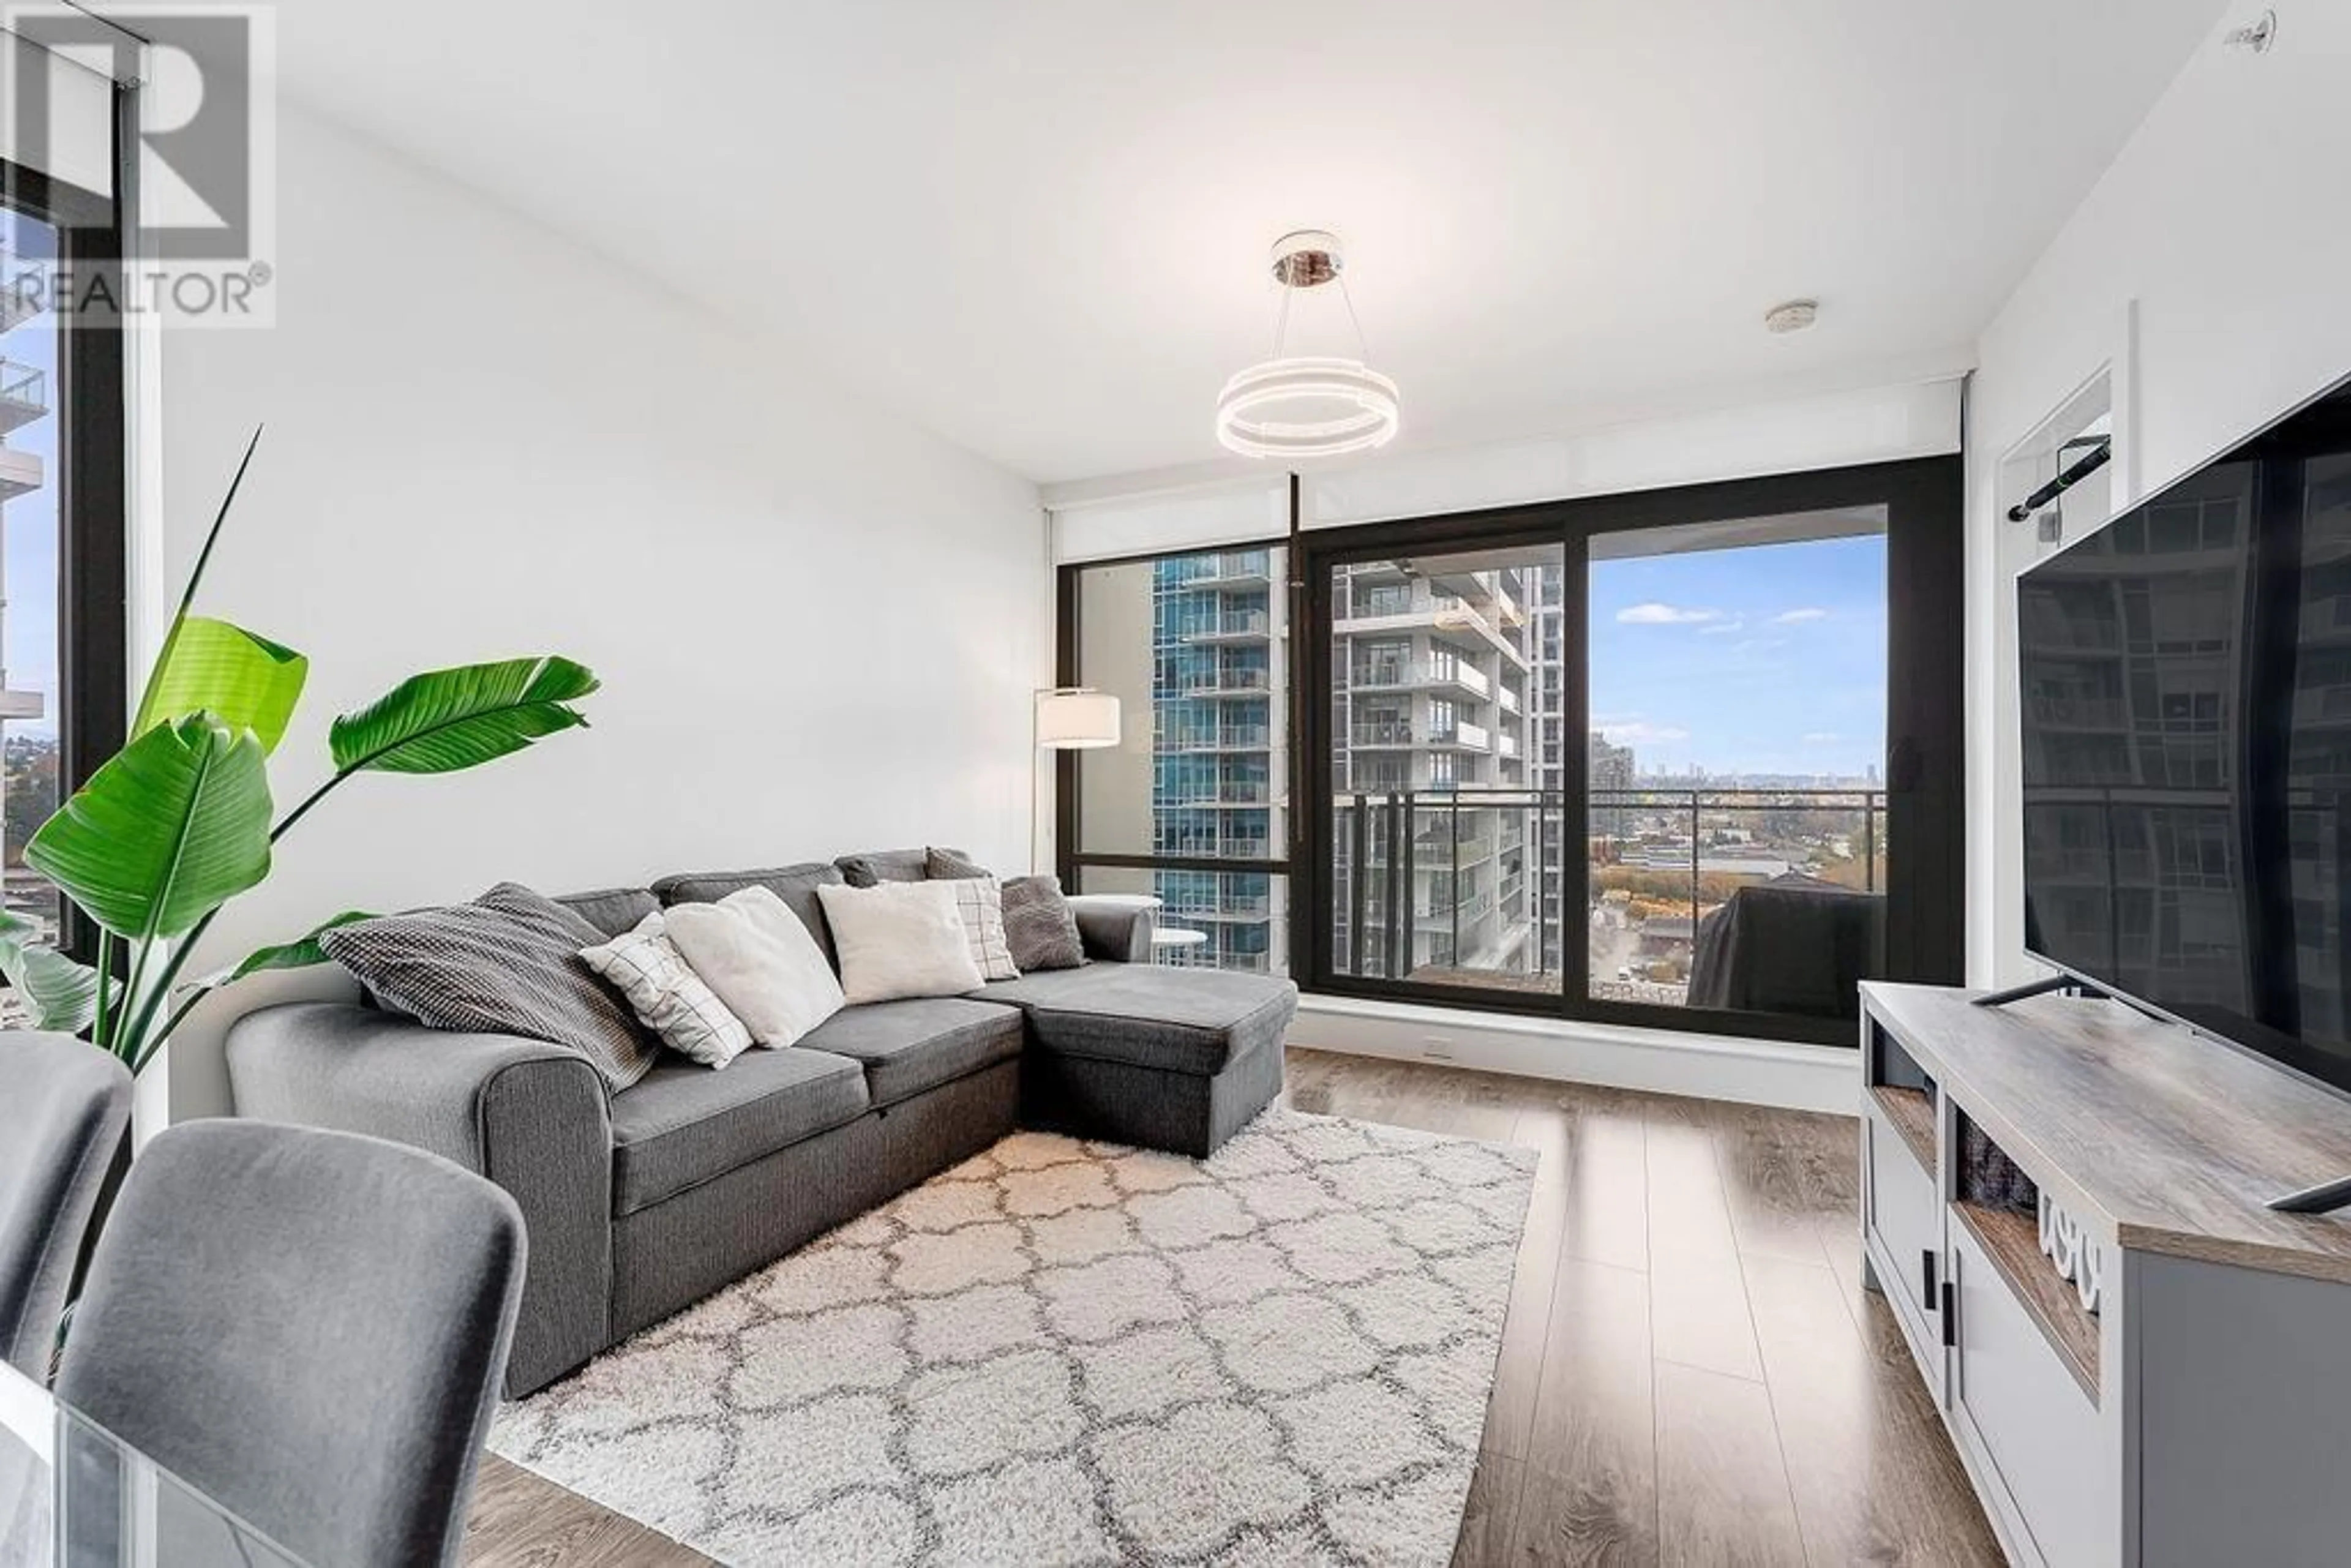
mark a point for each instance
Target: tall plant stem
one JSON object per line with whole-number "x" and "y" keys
{"x": 133, "y": 1057}
{"x": 105, "y": 962}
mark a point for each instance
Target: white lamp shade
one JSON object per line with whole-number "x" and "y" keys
{"x": 1076, "y": 721}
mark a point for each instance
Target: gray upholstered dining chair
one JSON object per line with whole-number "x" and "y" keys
{"x": 308, "y": 1326}
{"x": 66, "y": 1110}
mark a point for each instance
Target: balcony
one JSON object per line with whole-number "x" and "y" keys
{"x": 1236, "y": 910}
{"x": 1226, "y": 684}
{"x": 1506, "y": 744}
{"x": 1462, "y": 735}
{"x": 1440, "y": 674}
{"x": 20, "y": 474}
{"x": 1239, "y": 797}
{"x": 1239, "y": 626}
{"x": 1509, "y": 700}
{"x": 1381, "y": 735}
{"x": 1231, "y": 737}
{"x": 22, "y": 293}
{"x": 24, "y": 396}
{"x": 1231, "y": 569}
{"x": 1660, "y": 868}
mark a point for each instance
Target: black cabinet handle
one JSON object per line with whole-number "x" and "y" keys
{"x": 1950, "y": 1315}
{"x": 1927, "y": 1273}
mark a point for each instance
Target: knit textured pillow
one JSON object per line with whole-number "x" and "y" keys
{"x": 667, "y": 996}
{"x": 1040, "y": 929}
{"x": 508, "y": 963}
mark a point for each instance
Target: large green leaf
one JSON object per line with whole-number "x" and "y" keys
{"x": 176, "y": 825}
{"x": 247, "y": 681}
{"x": 59, "y": 993}
{"x": 445, "y": 720}
{"x": 300, "y": 954}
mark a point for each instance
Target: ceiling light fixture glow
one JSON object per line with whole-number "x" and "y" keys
{"x": 1300, "y": 406}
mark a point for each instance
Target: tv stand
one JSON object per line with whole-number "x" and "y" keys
{"x": 2068, "y": 1211}
{"x": 2048, "y": 985}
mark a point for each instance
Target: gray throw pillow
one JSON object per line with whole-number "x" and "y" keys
{"x": 1039, "y": 925}
{"x": 508, "y": 963}
{"x": 951, "y": 865}
{"x": 872, "y": 868}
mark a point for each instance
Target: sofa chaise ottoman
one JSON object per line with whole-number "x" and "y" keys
{"x": 640, "y": 1203}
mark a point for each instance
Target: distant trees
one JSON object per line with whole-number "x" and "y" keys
{"x": 31, "y": 786}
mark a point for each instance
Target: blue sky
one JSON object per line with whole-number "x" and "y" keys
{"x": 1765, "y": 659}
{"x": 31, "y": 521}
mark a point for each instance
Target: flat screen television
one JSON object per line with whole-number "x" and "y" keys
{"x": 2186, "y": 693}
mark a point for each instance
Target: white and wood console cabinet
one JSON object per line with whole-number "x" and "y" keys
{"x": 2138, "y": 1362}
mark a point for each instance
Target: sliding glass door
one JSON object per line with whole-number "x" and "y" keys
{"x": 1443, "y": 818}
{"x": 1688, "y": 758}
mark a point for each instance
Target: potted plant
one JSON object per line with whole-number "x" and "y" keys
{"x": 180, "y": 821}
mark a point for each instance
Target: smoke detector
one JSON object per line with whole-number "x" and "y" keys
{"x": 2257, "y": 36}
{"x": 1793, "y": 317}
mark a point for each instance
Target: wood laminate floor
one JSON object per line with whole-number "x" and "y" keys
{"x": 1690, "y": 1374}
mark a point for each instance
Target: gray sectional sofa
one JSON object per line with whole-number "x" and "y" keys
{"x": 640, "y": 1203}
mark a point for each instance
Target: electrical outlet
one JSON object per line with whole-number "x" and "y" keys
{"x": 1437, "y": 1046}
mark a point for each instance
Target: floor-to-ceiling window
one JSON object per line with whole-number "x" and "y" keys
{"x": 1192, "y": 807}
{"x": 61, "y": 525}
{"x": 1688, "y": 757}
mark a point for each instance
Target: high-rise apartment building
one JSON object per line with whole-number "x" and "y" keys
{"x": 1219, "y": 750}
{"x": 1435, "y": 723}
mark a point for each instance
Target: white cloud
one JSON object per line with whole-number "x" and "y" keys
{"x": 1791, "y": 617}
{"x": 1639, "y": 732}
{"x": 1822, "y": 738}
{"x": 1722, "y": 628}
{"x": 1655, "y": 614}
{"x": 1758, "y": 644}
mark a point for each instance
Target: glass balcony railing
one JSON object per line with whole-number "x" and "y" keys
{"x": 1227, "y": 680}
{"x": 1402, "y": 674}
{"x": 24, "y": 384}
{"x": 1486, "y": 879}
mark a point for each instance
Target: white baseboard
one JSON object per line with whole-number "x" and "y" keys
{"x": 1665, "y": 1061}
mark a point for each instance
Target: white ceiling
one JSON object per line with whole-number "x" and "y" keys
{"x": 1038, "y": 225}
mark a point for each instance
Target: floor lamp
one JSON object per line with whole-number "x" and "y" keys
{"x": 1069, "y": 718}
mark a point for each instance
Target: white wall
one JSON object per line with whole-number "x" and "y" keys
{"x": 2210, "y": 271}
{"x": 819, "y": 629}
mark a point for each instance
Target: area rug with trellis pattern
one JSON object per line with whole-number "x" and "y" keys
{"x": 1064, "y": 1352}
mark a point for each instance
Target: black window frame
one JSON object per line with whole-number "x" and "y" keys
{"x": 1925, "y": 809}
{"x": 1925, "y": 727}
{"x": 93, "y": 489}
{"x": 1069, "y": 857}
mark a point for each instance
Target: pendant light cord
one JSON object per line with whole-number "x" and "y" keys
{"x": 1363, "y": 344}
{"x": 1282, "y": 319}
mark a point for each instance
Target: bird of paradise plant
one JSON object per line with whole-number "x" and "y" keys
{"x": 179, "y": 822}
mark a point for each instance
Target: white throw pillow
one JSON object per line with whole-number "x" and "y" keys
{"x": 752, "y": 950}
{"x": 667, "y": 996}
{"x": 899, "y": 939}
{"x": 980, "y": 902}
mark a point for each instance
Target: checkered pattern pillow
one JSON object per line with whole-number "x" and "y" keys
{"x": 669, "y": 997}
{"x": 508, "y": 963}
{"x": 980, "y": 903}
